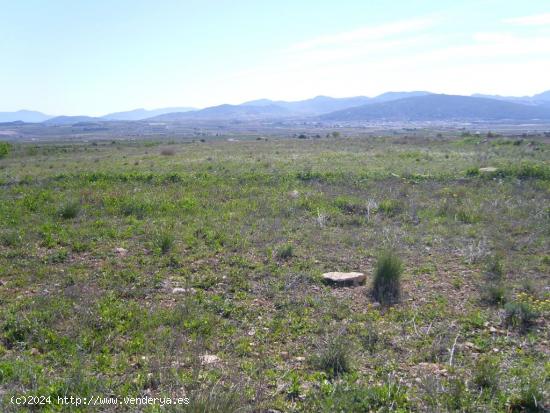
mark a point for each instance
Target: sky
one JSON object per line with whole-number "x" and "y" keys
{"x": 96, "y": 57}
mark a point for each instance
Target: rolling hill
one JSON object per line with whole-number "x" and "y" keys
{"x": 325, "y": 104}
{"x": 227, "y": 112}
{"x": 441, "y": 107}
{"x": 139, "y": 114}
{"x": 29, "y": 116}
{"x": 70, "y": 120}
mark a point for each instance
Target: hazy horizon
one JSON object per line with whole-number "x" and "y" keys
{"x": 93, "y": 59}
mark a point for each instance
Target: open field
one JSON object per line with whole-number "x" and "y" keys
{"x": 193, "y": 269}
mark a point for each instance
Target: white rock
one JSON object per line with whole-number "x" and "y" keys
{"x": 344, "y": 278}
{"x": 178, "y": 290}
{"x": 209, "y": 359}
{"x": 121, "y": 251}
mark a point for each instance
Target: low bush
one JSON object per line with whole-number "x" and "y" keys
{"x": 387, "y": 278}
{"x": 285, "y": 252}
{"x": 334, "y": 357}
{"x": 520, "y": 315}
{"x": 164, "y": 241}
{"x": 69, "y": 210}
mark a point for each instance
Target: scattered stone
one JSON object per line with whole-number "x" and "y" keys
{"x": 300, "y": 358}
{"x": 35, "y": 351}
{"x": 2, "y": 283}
{"x": 294, "y": 194}
{"x": 488, "y": 169}
{"x": 344, "y": 278}
{"x": 493, "y": 330}
{"x": 209, "y": 359}
{"x": 121, "y": 251}
{"x": 178, "y": 290}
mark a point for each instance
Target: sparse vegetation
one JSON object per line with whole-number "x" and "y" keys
{"x": 4, "y": 149}
{"x": 199, "y": 273}
{"x": 334, "y": 356}
{"x": 69, "y": 210}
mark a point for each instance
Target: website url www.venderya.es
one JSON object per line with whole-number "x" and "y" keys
{"x": 97, "y": 401}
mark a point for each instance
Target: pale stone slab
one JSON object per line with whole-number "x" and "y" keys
{"x": 344, "y": 278}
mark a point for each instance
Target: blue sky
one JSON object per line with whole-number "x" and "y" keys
{"x": 95, "y": 57}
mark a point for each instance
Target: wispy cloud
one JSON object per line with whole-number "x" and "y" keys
{"x": 363, "y": 34}
{"x": 533, "y": 20}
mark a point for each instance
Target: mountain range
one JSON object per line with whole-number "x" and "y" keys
{"x": 437, "y": 107}
{"x": 403, "y": 106}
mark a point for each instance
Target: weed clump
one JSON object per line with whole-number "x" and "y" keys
{"x": 390, "y": 207}
{"x": 69, "y": 210}
{"x": 495, "y": 294}
{"x": 387, "y": 278}
{"x": 164, "y": 241}
{"x": 486, "y": 373}
{"x": 285, "y": 252}
{"x": 334, "y": 357}
{"x": 495, "y": 291}
{"x": 520, "y": 315}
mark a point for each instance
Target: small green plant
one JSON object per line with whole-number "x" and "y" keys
{"x": 10, "y": 238}
{"x": 529, "y": 396}
{"x": 293, "y": 390}
{"x": 520, "y": 315}
{"x": 69, "y": 210}
{"x": 164, "y": 241}
{"x": 495, "y": 268}
{"x": 369, "y": 337}
{"x": 285, "y": 252}
{"x": 334, "y": 356}
{"x": 390, "y": 207}
{"x": 495, "y": 293}
{"x": 215, "y": 399}
{"x": 387, "y": 278}
{"x": 134, "y": 208}
{"x": 486, "y": 373}
{"x": 4, "y": 149}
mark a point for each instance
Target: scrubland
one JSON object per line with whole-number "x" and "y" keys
{"x": 194, "y": 269}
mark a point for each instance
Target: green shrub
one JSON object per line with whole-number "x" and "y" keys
{"x": 10, "y": 238}
{"x": 530, "y": 395}
{"x": 334, "y": 357}
{"x": 164, "y": 241}
{"x": 487, "y": 373}
{"x": 69, "y": 210}
{"x": 135, "y": 208}
{"x": 349, "y": 205}
{"x": 390, "y": 207}
{"x": 4, "y": 149}
{"x": 353, "y": 397}
{"x": 285, "y": 252}
{"x": 387, "y": 278}
{"x": 467, "y": 216}
{"x": 519, "y": 315}
{"x": 495, "y": 294}
{"x": 215, "y": 399}
{"x": 495, "y": 268}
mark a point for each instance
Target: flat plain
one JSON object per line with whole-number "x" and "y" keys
{"x": 194, "y": 269}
